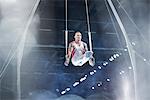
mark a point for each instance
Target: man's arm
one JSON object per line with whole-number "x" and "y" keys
{"x": 70, "y": 49}
{"x": 68, "y": 56}
{"x": 85, "y": 47}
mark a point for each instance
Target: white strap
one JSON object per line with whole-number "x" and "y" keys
{"x": 88, "y": 24}
{"x": 66, "y": 22}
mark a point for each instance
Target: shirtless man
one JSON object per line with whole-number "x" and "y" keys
{"x": 78, "y": 52}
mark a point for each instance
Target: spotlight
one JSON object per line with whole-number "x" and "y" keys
{"x": 85, "y": 75}
{"x": 63, "y": 92}
{"x": 125, "y": 50}
{"x": 130, "y": 67}
{"x": 67, "y": 89}
{"x": 99, "y": 84}
{"x": 82, "y": 79}
{"x": 94, "y": 71}
{"x": 108, "y": 80}
{"x": 133, "y": 43}
{"x": 122, "y": 72}
{"x": 75, "y": 84}
{"x": 93, "y": 87}
{"x": 114, "y": 56}
{"x": 111, "y": 58}
{"x": 105, "y": 63}
{"x": 91, "y": 73}
{"x": 144, "y": 59}
{"x": 117, "y": 55}
{"x": 99, "y": 67}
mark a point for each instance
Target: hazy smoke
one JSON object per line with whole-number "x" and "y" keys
{"x": 14, "y": 15}
{"x": 47, "y": 95}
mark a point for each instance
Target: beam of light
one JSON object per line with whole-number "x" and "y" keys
{"x": 21, "y": 48}
{"x": 126, "y": 89}
{"x": 129, "y": 46}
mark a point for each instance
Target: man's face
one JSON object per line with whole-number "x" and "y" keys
{"x": 78, "y": 36}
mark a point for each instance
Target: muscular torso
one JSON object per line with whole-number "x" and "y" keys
{"x": 78, "y": 49}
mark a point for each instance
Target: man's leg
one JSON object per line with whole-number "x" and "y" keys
{"x": 92, "y": 61}
{"x": 86, "y": 57}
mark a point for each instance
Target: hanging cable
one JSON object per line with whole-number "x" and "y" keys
{"x": 88, "y": 24}
{"x": 66, "y": 22}
{"x": 9, "y": 56}
{"x": 129, "y": 47}
{"x": 131, "y": 21}
{"x": 107, "y": 6}
{"x": 113, "y": 22}
{"x": 117, "y": 31}
{"x": 147, "y": 42}
{"x": 87, "y": 15}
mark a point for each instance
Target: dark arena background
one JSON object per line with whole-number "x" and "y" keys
{"x": 32, "y": 50}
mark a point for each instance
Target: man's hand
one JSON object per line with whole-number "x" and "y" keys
{"x": 66, "y": 63}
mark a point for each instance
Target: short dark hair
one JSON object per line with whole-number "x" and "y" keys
{"x": 78, "y": 32}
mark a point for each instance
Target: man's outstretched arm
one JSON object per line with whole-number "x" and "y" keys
{"x": 68, "y": 56}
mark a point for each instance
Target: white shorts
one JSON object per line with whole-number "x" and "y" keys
{"x": 79, "y": 61}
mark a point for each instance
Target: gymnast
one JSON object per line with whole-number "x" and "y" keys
{"x": 78, "y": 52}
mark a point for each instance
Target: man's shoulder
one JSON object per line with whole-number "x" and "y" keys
{"x": 71, "y": 42}
{"x": 84, "y": 43}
